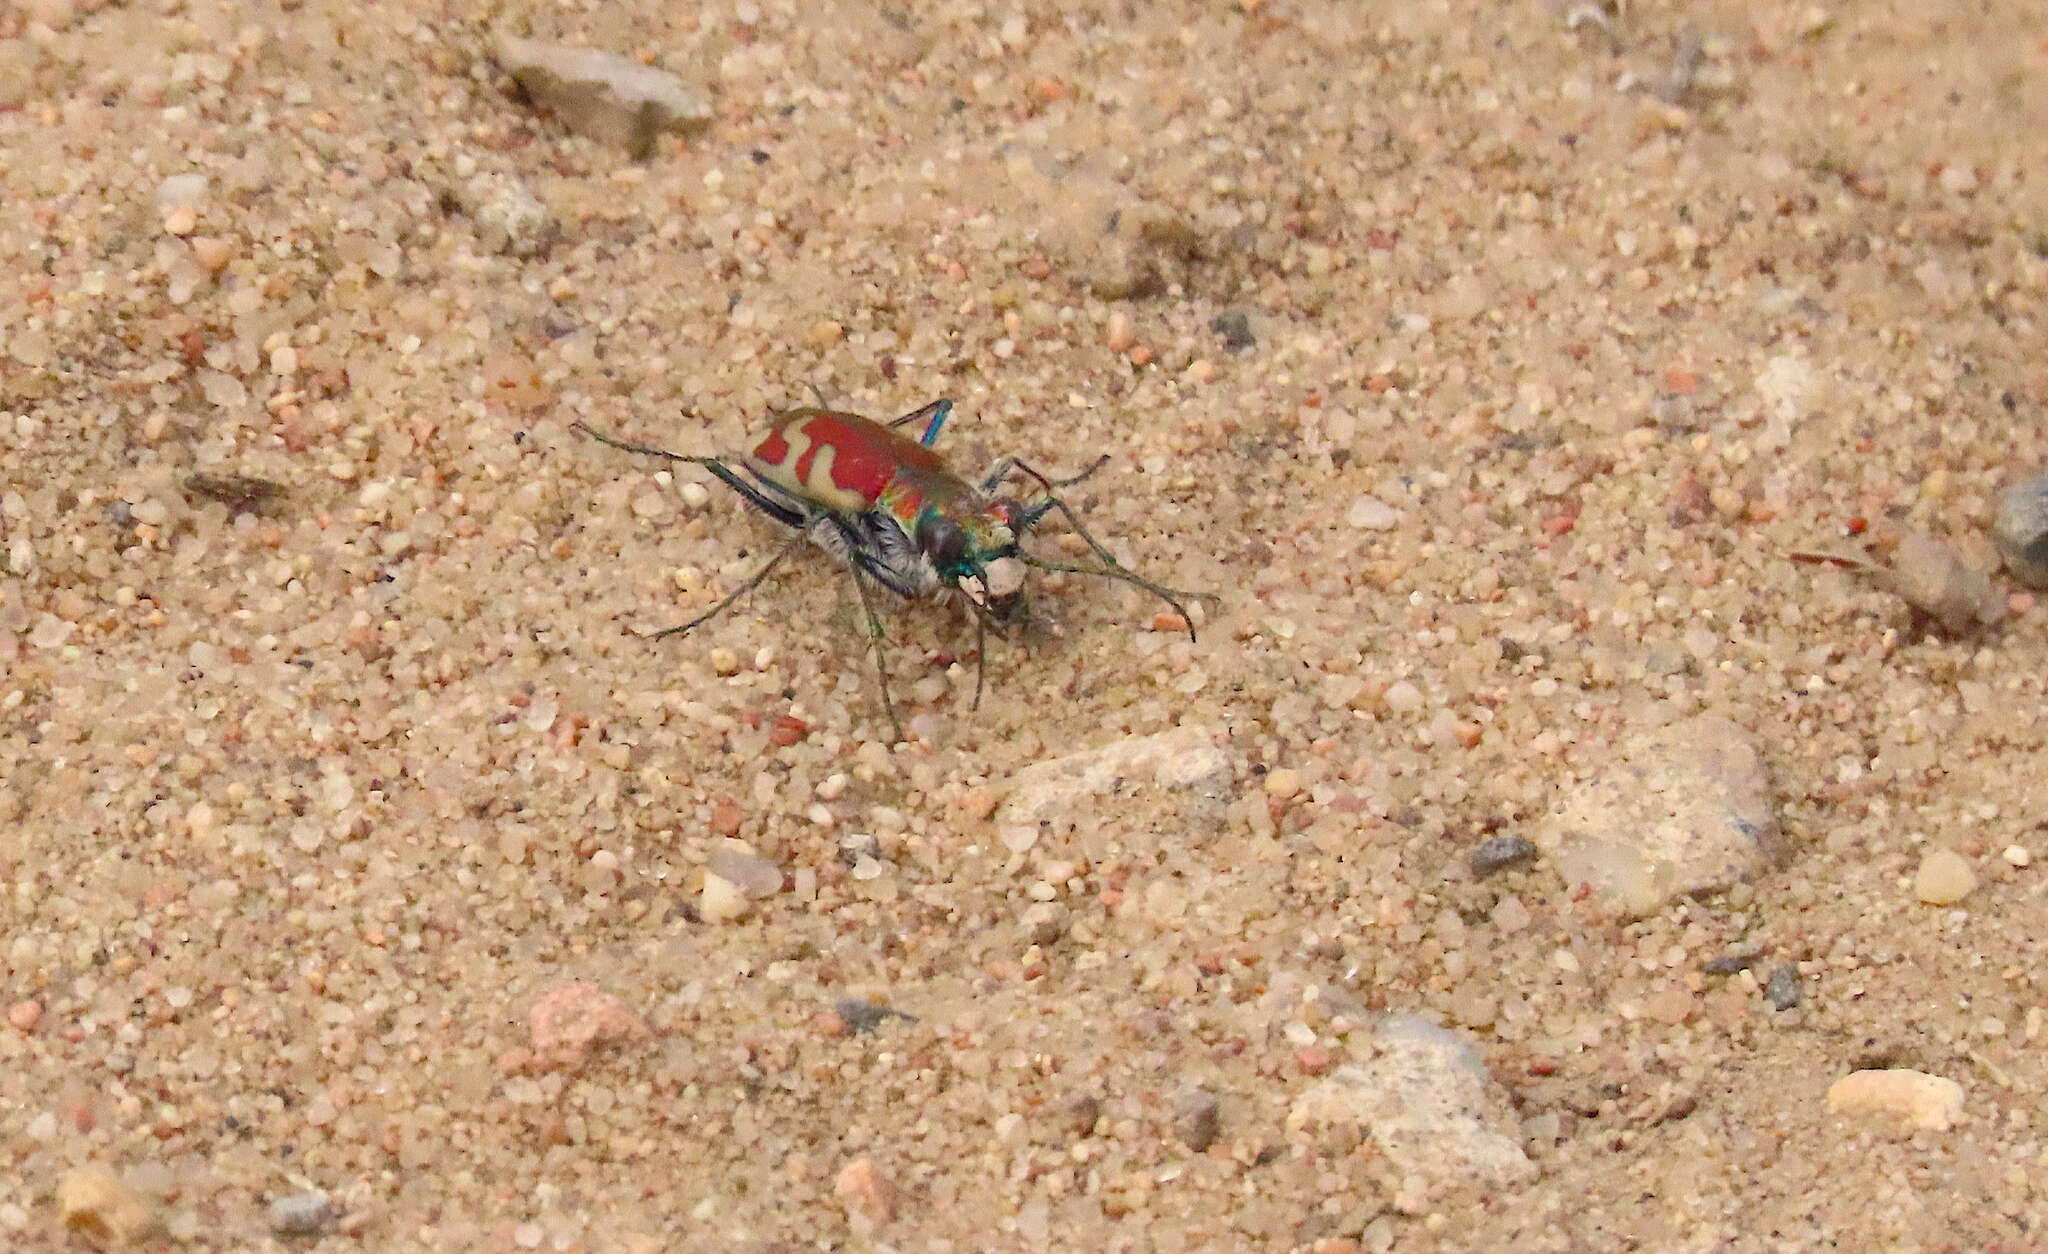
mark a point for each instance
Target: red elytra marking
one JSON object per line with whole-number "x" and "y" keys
{"x": 865, "y": 455}
{"x": 774, "y": 450}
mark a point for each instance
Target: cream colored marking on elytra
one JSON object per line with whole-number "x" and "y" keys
{"x": 783, "y": 473}
{"x": 821, "y": 488}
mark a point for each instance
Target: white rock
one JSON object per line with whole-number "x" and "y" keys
{"x": 1685, "y": 811}
{"x": 1922, "y": 1100}
{"x": 1184, "y": 767}
{"x": 1427, "y": 1101}
{"x": 300, "y": 1214}
{"x": 1945, "y": 878}
{"x": 1369, "y": 513}
{"x": 745, "y": 870}
{"x": 509, "y": 218}
{"x": 722, "y": 900}
{"x": 1403, "y": 697}
{"x": 181, "y": 191}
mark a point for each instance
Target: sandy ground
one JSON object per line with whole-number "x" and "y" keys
{"x": 307, "y": 808}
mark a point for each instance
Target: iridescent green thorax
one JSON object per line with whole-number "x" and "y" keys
{"x": 915, "y": 499}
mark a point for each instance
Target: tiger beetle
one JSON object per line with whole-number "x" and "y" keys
{"x": 888, "y": 508}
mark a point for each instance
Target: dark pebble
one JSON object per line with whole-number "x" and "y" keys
{"x": 1782, "y": 989}
{"x": 1236, "y": 330}
{"x": 1199, "y": 1120}
{"x": 1081, "y": 1114}
{"x": 866, "y": 1016}
{"x": 1497, "y": 853}
{"x": 1729, "y": 964}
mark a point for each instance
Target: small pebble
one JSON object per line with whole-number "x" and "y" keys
{"x": 1945, "y": 878}
{"x": 101, "y": 1206}
{"x": 749, "y": 872}
{"x": 1372, "y": 514}
{"x": 1782, "y": 989}
{"x": 1198, "y": 1120}
{"x": 23, "y": 1016}
{"x": 1122, "y": 334}
{"x": 1403, "y": 697}
{"x": 1080, "y": 1113}
{"x": 1497, "y": 853}
{"x": 866, "y": 1016}
{"x": 866, "y": 1190}
{"x": 1283, "y": 783}
{"x": 1731, "y": 963}
{"x": 2021, "y": 531}
{"x": 572, "y": 1020}
{"x": 181, "y": 189}
{"x": 2017, "y": 856}
{"x": 211, "y": 253}
{"x": 1201, "y": 370}
{"x": 300, "y": 1214}
{"x": 1928, "y": 575}
{"x": 722, "y": 901}
{"x": 1236, "y": 330}
{"x": 1924, "y": 1101}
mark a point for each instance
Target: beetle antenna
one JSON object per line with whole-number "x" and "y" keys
{"x": 1066, "y": 481}
{"x": 627, "y": 446}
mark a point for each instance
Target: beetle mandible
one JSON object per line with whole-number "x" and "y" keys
{"x": 890, "y": 510}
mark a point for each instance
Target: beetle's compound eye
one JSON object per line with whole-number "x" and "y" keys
{"x": 942, "y": 540}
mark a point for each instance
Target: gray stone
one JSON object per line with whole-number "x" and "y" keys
{"x": 301, "y": 1214}
{"x": 605, "y": 97}
{"x": 509, "y": 218}
{"x": 1499, "y": 853}
{"x": 2021, "y": 531}
{"x": 1684, "y": 812}
{"x": 1782, "y": 989}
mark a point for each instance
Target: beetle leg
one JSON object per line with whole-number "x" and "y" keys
{"x": 933, "y": 416}
{"x": 755, "y": 497}
{"x": 1111, "y": 568}
{"x": 874, "y": 631}
{"x": 980, "y": 655}
{"x": 754, "y": 581}
{"x": 1007, "y": 466}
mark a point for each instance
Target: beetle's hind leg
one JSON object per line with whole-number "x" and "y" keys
{"x": 753, "y": 581}
{"x": 873, "y": 627}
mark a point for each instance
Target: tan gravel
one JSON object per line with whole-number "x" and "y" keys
{"x": 1489, "y": 361}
